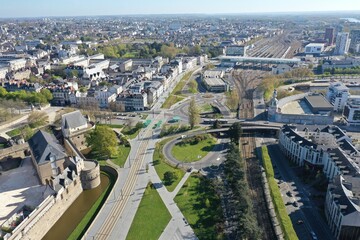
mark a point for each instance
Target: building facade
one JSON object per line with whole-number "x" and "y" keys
{"x": 338, "y": 95}
{"x": 342, "y": 43}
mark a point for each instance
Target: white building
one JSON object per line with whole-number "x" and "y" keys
{"x": 72, "y": 123}
{"x": 17, "y": 64}
{"x": 338, "y": 95}
{"x": 342, "y": 43}
{"x": 331, "y": 148}
{"x": 3, "y": 72}
{"x": 314, "y": 48}
{"x": 342, "y": 206}
{"x": 352, "y": 111}
{"x": 104, "y": 98}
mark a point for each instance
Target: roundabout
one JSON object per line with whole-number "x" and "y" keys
{"x": 213, "y": 157}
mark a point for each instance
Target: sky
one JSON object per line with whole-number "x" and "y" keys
{"x": 41, "y": 8}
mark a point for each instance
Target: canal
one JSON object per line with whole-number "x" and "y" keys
{"x": 76, "y": 212}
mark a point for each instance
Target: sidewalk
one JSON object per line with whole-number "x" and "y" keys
{"x": 176, "y": 229}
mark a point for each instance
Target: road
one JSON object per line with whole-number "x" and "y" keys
{"x": 305, "y": 210}
{"x": 214, "y": 158}
{"x": 115, "y": 218}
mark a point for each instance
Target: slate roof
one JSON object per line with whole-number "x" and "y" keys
{"x": 43, "y": 145}
{"x": 73, "y": 120}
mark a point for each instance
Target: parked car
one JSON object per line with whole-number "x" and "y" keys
{"x": 313, "y": 235}
{"x": 299, "y": 222}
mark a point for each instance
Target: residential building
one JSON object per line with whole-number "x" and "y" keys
{"x": 329, "y": 35}
{"x": 342, "y": 43}
{"x": 133, "y": 101}
{"x": 352, "y": 111}
{"x": 355, "y": 40}
{"x": 342, "y": 206}
{"x": 338, "y": 95}
{"x": 104, "y": 98}
{"x": 3, "y": 72}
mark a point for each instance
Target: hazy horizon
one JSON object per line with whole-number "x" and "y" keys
{"x": 65, "y": 8}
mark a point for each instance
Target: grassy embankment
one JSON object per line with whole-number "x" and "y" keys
{"x": 280, "y": 209}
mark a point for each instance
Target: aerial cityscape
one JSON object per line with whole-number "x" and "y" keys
{"x": 180, "y": 120}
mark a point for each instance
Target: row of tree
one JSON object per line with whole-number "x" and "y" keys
{"x": 240, "y": 202}
{"x": 353, "y": 70}
{"x": 42, "y": 97}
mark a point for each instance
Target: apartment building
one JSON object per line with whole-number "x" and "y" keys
{"x": 338, "y": 95}
{"x": 342, "y": 43}
{"x": 352, "y": 111}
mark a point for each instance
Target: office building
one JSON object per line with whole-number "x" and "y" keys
{"x": 342, "y": 43}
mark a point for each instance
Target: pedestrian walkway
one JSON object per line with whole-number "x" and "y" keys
{"x": 176, "y": 229}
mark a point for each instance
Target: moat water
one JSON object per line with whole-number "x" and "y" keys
{"x": 76, "y": 212}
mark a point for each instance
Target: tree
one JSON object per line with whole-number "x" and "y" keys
{"x": 169, "y": 178}
{"x": 102, "y": 141}
{"x": 47, "y": 94}
{"x": 235, "y": 132}
{"x": 37, "y": 119}
{"x": 194, "y": 115}
{"x": 216, "y": 124}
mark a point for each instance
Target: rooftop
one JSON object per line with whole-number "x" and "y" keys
{"x": 318, "y": 101}
{"x": 214, "y": 81}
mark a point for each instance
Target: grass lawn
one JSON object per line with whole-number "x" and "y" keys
{"x": 130, "y": 132}
{"x": 111, "y": 125}
{"x": 171, "y": 100}
{"x": 193, "y": 152}
{"x": 200, "y": 204}
{"x": 151, "y": 217}
{"x": 161, "y": 166}
{"x": 14, "y": 132}
{"x": 123, "y": 153}
{"x": 193, "y": 86}
{"x": 280, "y": 209}
{"x": 119, "y": 159}
{"x": 206, "y": 108}
{"x": 91, "y": 214}
{"x": 175, "y": 95}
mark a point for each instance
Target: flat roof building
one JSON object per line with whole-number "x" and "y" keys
{"x": 215, "y": 85}
{"x": 318, "y": 104}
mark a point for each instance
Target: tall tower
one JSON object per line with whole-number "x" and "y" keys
{"x": 342, "y": 43}
{"x": 355, "y": 39}
{"x": 329, "y": 35}
{"x": 273, "y": 106}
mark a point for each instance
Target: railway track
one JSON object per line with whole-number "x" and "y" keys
{"x": 253, "y": 177}
{"x": 129, "y": 187}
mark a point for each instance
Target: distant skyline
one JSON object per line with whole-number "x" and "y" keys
{"x": 44, "y": 8}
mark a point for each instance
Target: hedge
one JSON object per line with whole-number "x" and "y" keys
{"x": 280, "y": 209}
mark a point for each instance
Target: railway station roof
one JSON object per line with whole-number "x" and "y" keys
{"x": 259, "y": 59}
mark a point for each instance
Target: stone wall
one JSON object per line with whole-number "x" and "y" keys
{"x": 42, "y": 219}
{"x": 90, "y": 177}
